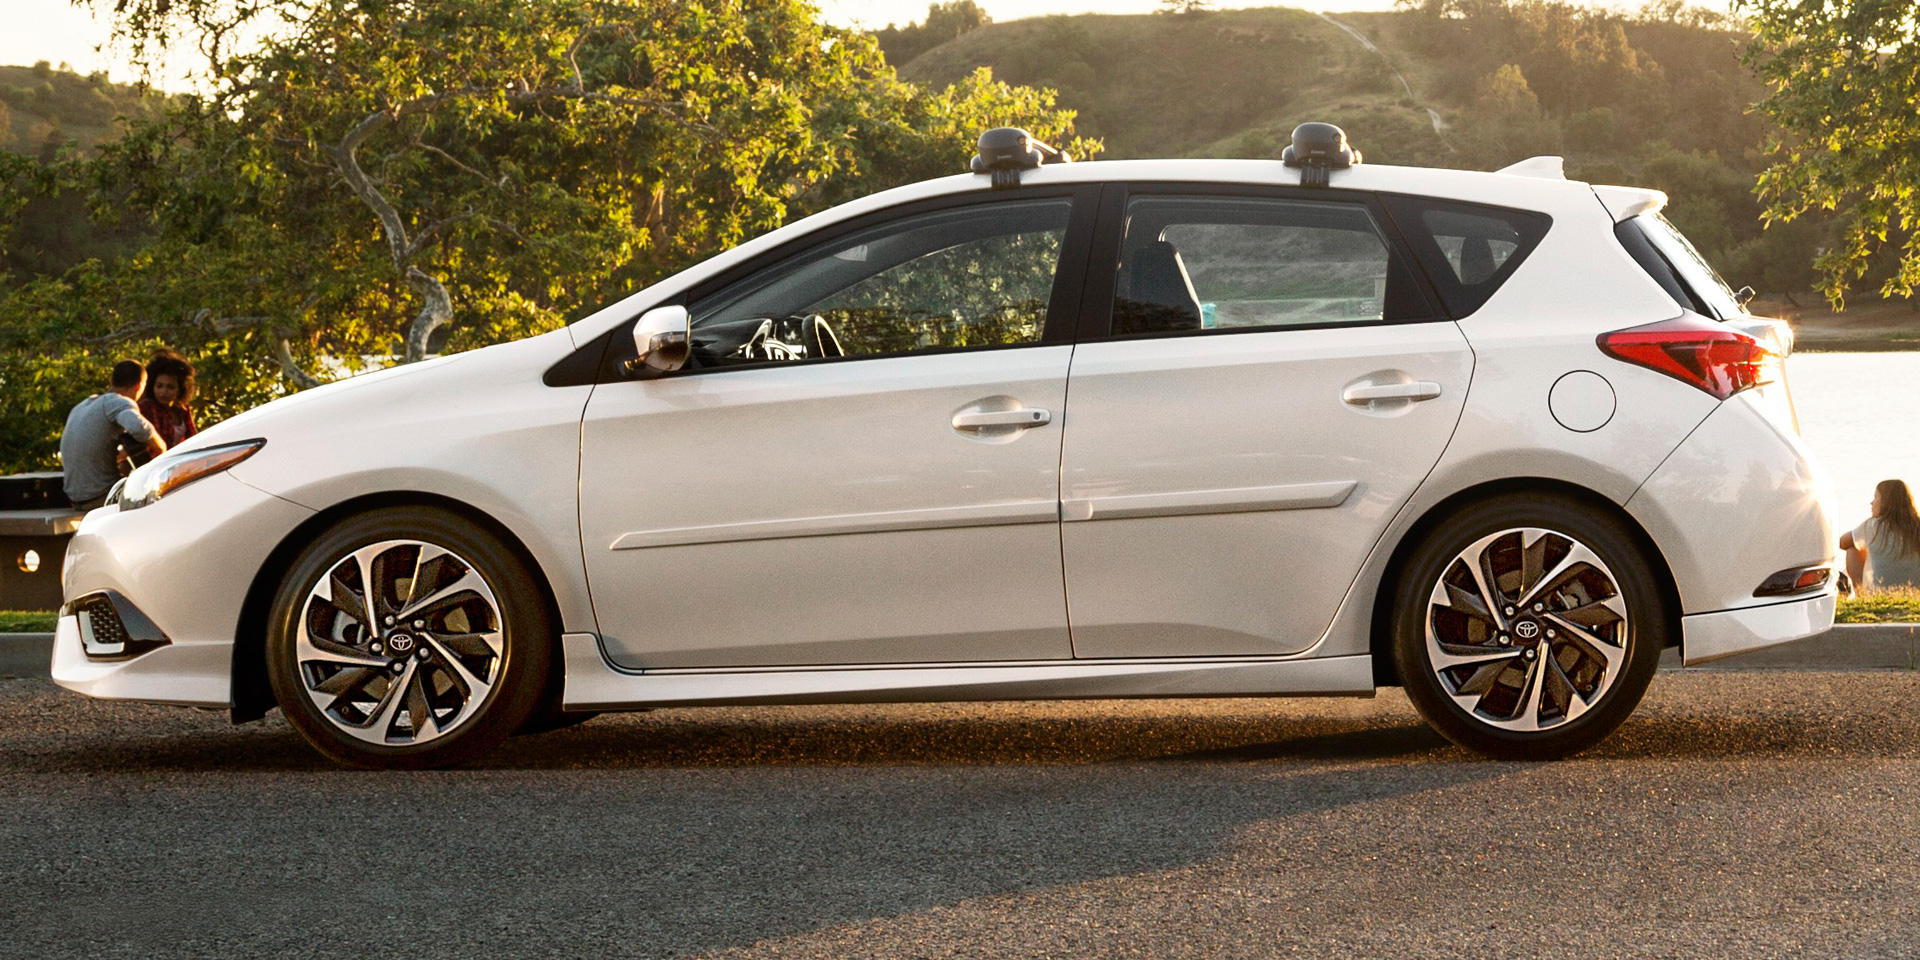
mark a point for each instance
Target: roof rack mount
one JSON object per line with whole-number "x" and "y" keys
{"x": 1317, "y": 150}
{"x": 1005, "y": 151}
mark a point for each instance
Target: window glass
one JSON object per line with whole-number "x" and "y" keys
{"x": 1223, "y": 263}
{"x": 1468, "y": 250}
{"x": 1634, "y": 238}
{"x": 975, "y": 277}
{"x": 1474, "y": 246}
{"x": 1708, "y": 289}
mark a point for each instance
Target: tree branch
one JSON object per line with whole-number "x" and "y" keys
{"x": 434, "y": 314}
{"x": 283, "y": 355}
{"x": 437, "y": 310}
{"x": 127, "y": 332}
{"x": 347, "y": 162}
{"x": 498, "y": 184}
{"x": 421, "y": 239}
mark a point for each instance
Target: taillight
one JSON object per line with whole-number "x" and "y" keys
{"x": 1720, "y": 360}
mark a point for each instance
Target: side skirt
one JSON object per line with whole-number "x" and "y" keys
{"x": 593, "y": 683}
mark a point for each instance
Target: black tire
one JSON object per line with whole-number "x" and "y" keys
{"x": 517, "y": 667}
{"x": 1647, "y": 627}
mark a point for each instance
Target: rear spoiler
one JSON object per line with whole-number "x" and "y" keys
{"x": 1627, "y": 202}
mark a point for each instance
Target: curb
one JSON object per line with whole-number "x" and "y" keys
{"x": 25, "y": 654}
{"x": 1848, "y": 646}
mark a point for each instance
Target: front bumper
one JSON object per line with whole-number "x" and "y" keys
{"x": 1724, "y": 633}
{"x": 196, "y": 674}
{"x": 186, "y": 563}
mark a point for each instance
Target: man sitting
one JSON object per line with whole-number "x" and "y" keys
{"x": 91, "y": 441}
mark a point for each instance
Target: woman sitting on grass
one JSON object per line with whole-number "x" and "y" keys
{"x": 1884, "y": 551}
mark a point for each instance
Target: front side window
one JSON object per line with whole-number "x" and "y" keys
{"x": 1226, "y": 263}
{"x": 978, "y": 276}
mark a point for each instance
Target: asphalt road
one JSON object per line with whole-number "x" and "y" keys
{"x": 1738, "y": 814}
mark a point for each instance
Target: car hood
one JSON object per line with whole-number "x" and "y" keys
{"x": 259, "y": 421}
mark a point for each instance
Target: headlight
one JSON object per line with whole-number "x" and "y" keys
{"x": 170, "y": 471}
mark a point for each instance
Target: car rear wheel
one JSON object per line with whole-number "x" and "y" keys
{"x": 408, "y": 638}
{"x": 1528, "y": 627}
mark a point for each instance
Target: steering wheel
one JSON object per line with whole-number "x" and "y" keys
{"x": 796, "y": 337}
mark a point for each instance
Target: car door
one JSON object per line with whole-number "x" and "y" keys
{"x": 1271, "y": 382}
{"x": 861, "y": 464}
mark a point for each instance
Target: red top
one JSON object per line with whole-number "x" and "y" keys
{"x": 175, "y": 423}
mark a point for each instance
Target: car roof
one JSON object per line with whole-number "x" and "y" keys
{"x": 1524, "y": 188}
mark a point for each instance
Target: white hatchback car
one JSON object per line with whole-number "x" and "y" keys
{"x": 1168, "y": 428}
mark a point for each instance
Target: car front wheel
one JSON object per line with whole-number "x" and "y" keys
{"x": 408, "y": 638}
{"x": 1528, "y": 627}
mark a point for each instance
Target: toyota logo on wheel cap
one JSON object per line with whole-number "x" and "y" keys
{"x": 400, "y": 643}
{"x": 1527, "y": 629}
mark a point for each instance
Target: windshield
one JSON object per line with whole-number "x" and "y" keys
{"x": 1699, "y": 276}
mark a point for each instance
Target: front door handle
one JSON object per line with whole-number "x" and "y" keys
{"x": 1364, "y": 393}
{"x": 1018, "y": 419}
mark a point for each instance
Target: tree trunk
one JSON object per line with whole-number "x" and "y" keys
{"x": 437, "y": 311}
{"x": 434, "y": 314}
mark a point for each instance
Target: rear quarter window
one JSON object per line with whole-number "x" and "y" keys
{"x": 1666, "y": 255}
{"x": 1467, "y": 250}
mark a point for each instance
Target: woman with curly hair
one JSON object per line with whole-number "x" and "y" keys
{"x": 1884, "y": 551}
{"x": 169, "y": 390}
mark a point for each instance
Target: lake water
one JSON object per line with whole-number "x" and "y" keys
{"x": 1860, "y": 414}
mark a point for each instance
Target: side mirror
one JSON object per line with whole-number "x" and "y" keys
{"x": 662, "y": 341}
{"x": 1744, "y": 296}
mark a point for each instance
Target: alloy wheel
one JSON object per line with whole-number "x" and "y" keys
{"x": 1526, "y": 629}
{"x": 400, "y": 642}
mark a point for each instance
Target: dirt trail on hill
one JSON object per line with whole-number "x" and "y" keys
{"x": 1439, "y": 125}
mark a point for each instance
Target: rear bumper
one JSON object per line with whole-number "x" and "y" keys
{"x": 1724, "y": 633}
{"x": 1737, "y": 502}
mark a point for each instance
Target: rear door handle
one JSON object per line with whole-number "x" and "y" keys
{"x": 1360, "y": 394}
{"x": 975, "y": 420}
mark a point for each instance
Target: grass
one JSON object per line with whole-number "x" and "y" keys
{"x": 1900, "y": 605}
{"x": 27, "y": 621}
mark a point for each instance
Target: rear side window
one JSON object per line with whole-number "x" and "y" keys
{"x": 1468, "y": 250}
{"x": 1199, "y": 263}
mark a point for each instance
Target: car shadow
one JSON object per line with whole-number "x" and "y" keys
{"x": 661, "y": 741}
{"x": 946, "y": 735}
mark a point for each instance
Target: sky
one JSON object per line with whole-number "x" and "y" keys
{"x": 56, "y": 31}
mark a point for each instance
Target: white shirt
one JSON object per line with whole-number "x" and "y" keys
{"x": 1887, "y": 564}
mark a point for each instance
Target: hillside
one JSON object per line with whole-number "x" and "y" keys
{"x": 1658, "y": 98}
{"x": 40, "y": 103}
{"x": 1212, "y": 84}
{"x": 1225, "y": 83}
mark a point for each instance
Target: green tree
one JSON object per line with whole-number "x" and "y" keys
{"x": 945, "y": 21}
{"x": 1843, "y": 80}
{"x": 1505, "y": 122}
{"x": 1712, "y": 203}
{"x": 380, "y": 180}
